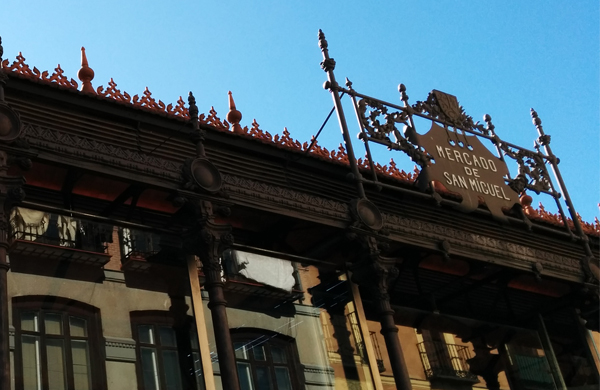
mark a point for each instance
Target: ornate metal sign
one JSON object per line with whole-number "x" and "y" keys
{"x": 462, "y": 164}
{"x": 451, "y": 154}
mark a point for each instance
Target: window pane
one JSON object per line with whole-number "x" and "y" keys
{"x": 194, "y": 341}
{"x": 29, "y": 321}
{"x": 53, "y": 323}
{"x": 81, "y": 364}
{"x": 282, "y": 376}
{"x": 30, "y": 348}
{"x": 56, "y": 364}
{"x": 146, "y": 334}
{"x": 245, "y": 376}
{"x": 198, "y": 370}
{"x": 263, "y": 378}
{"x": 171, "y": 369}
{"x": 240, "y": 351}
{"x": 278, "y": 354}
{"x": 77, "y": 327}
{"x": 149, "y": 368}
{"x": 259, "y": 353}
{"x": 167, "y": 337}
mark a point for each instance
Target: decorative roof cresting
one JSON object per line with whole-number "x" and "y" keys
{"x": 179, "y": 111}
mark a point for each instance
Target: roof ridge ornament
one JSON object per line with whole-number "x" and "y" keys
{"x": 10, "y": 123}
{"x": 86, "y": 74}
{"x": 234, "y": 116}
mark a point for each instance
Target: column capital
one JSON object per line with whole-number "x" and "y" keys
{"x": 374, "y": 271}
{"x": 207, "y": 239}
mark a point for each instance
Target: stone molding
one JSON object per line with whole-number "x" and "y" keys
{"x": 310, "y": 311}
{"x": 321, "y": 376}
{"x": 118, "y": 349}
{"x": 114, "y": 276}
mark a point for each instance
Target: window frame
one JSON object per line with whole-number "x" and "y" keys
{"x": 287, "y": 343}
{"x": 157, "y": 318}
{"x": 66, "y": 308}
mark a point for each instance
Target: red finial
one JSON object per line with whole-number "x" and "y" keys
{"x": 85, "y": 74}
{"x": 234, "y": 116}
{"x": 525, "y": 201}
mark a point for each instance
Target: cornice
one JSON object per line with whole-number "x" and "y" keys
{"x": 47, "y": 139}
{"x": 494, "y": 250}
{"x": 289, "y": 201}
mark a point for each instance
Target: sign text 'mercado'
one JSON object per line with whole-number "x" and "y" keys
{"x": 472, "y": 165}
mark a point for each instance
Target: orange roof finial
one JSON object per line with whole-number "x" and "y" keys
{"x": 85, "y": 74}
{"x": 234, "y": 116}
{"x": 525, "y": 201}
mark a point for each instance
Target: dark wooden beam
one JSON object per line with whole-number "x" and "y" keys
{"x": 133, "y": 191}
{"x": 488, "y": 279}
{"x": 72, "y": 177}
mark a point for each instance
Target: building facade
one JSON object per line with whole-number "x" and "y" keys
{"x": 147, "y": 246}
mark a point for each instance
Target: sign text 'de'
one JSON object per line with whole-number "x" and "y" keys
{"x": 467, "y": 167}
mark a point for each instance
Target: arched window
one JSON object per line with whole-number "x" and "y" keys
{"x": 266, "y": 360}
{"x": 168, "y": 356}
{"x": 56, "y": 341}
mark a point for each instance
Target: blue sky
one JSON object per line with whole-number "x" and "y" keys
{"x": 500, "y": 58}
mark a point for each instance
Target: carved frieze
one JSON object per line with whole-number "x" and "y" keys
{"x": 507, "y": 252}
{"x": 267, "y": 194}
{"x": 53, "y": 140}
{"x": 286, "y": 197}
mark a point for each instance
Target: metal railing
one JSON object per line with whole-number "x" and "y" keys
{"x": 138, "y": 244}
{"x": 442, "y": 360}
{"x": 378, "y": 355}
{"x": 59, "y": 230}
{"x": 356, "y": 341}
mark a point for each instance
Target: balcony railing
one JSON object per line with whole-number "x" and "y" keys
{"x": 446, "y": 361}
{"x": 378, "y": 355}
{"x": 357, "y": 342}
{"x": 138, "y": 244}
{"x": 529, "y": 368}
{"x": 53, "y": 236}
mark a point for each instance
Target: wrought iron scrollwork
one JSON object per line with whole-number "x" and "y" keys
{"x": 533, "y": 173}
{"x": 445, "y": 108}
{"x": 381, "y": 131}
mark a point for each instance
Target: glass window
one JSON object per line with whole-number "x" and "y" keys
{"x": 53, "y": 348}
{"x": 168, "y": 354}
{"x": 265, "y": 361}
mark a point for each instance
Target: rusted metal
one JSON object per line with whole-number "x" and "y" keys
{"x": 592, "y": 269}
{"x": 328, "y": 65}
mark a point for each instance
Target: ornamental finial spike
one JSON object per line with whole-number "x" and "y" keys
{"x": 85, "y": 74}
{"x": 193, "y": 110}
{"x": 234, "y": 116}
{"x": 535, "y": 118}
{"x": 1, "y": 50}
{"x": 322, "y": 40}
{"x": 544, "y": 139}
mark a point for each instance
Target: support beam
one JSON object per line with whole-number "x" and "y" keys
{"x": 72, "y": 177}
{"x": 133, "y": 191}
{"x": 4, "y": 339}
{"x": 374, "y": 274}
{"x": 10, "y": 192}
{"x": 364, "y": 328}
{"x": 208, "y": 240}
{"x": 207, "y": 370}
